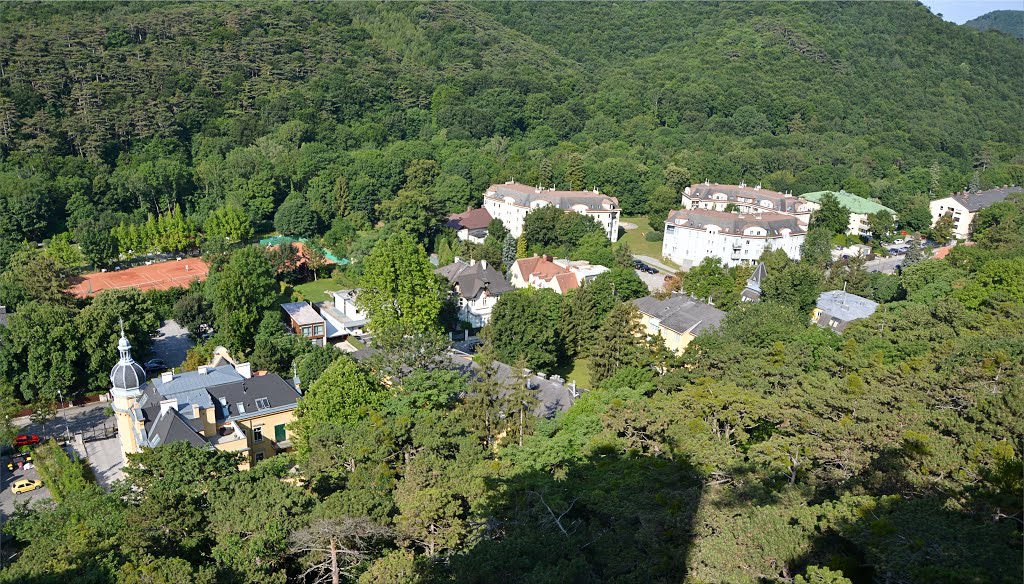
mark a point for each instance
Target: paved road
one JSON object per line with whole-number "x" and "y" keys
{"x": 8, "y": 500}
{"x": 77, "y": 419}
{"x": 655, "y": 263}
{"x": 104, "y": 456}
{"x": 654, "y": 282}
{"x": 171, "y": 343}
{"x": 884, "y": 265}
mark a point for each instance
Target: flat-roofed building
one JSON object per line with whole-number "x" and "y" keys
{"x": 306, "y": 322}
{"x": 735, "y": 238}
{"x": 510, "y": 202}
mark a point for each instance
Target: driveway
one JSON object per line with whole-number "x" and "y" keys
{"x": 654, "y": 282}
{"x": 656, "y": 263}
{"x": 885, "y": 265}
{"x": 8, "y": 500}
{"x": 171, "y": 343}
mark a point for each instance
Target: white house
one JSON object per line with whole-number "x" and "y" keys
{"x": 735, "y": 238}
{"x": 510, "y": 202}
{"x": 470, "y": 225}
{"x": 745, "y": 199}
{"x": 477, "y": 287}
{"x": 963, "y": 206}
{"x": 560, "y": 275}
{"x": 342, "y": 316}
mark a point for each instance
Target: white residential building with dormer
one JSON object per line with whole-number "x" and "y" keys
{"x": 735, "y": 238}
{"x": 510, "y": 202}
{"x": 745, "y": 199}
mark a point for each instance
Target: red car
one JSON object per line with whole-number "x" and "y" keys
{"x": 26, "y": 440}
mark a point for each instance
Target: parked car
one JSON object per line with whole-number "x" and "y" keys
{"x": 650, "y": 269}
{"x": 154, "y": 365}
{"x": 25, "y": 485}
{"x": 26, "y": 440}
{"x": 19, "y": 460}
{"x": 899, "y": 241}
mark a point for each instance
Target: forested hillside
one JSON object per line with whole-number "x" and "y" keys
{"x": 770, "y": 450}
{"x": 110, "y": 112}
{"x": 1010, "y": 22}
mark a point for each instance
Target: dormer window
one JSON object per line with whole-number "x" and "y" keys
{"x": 262, "y": 403}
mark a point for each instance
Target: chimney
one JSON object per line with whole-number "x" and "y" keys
{"x": 483, "y": 264}
{"x": 472, "y": 262}
{"x": 167, "y": 377}
{"x": 457, "y": 260}
{"x": 168, "y": 404}
{"x": 203, "y": 369}
{"x": 244, "y": 369}
{"x": 196, "y": 413}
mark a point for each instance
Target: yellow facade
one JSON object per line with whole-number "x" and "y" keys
{"x": 122, "y": 405}
{"x": 674, "y": 341}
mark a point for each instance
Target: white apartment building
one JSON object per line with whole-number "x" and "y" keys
{"x": 735, "y": 238}
{"x": 745, "y": 199}
{"x": 859, "y": 207}
{"x": 510, "y": 202}
{"x": 963, "y": 206}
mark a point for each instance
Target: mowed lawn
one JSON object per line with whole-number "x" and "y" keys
{"x": 314, "y": 291}
{"x": 579, "y": 372}
{"x": 634, "y": 238}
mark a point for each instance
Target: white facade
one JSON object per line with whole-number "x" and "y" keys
{"x": 735, "y": 239}
{"x": 745, "y": 199}
{"x": 962, "y": 216}
{"x": 510, "y": 203}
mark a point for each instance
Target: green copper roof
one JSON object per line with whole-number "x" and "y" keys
{"x": 852, "y": 202}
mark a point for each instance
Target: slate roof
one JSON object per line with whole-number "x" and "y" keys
{"x": 844, "y": 307}
{"x": 471, "y": 219}
{"x": 755, "y": 279}
{"x": 525, "y": 194}
{"x": 977, "y": 201}
{"x": 302, "y": 313}
{"x": 222, "y": 388}
{"x": 681, "y": 313}
{"x": 735, "y": 223}
{"x": 852, "y": 202}
{"x": 781, "y": 201}
{"x": 471, "y": 279}
{"x": 169, "y": 427}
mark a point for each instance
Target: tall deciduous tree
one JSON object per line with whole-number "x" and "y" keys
{"x": 32, "y": 277}
{"x": 832, "y": 216}
{"x": 99, "y": 329}
{"x": 525, "y": 325}
{"x": 39, "y": 350}
{"x": 241, "y": 292}
{"x": 341, "y": 395}
{"x": 400, "y": 291}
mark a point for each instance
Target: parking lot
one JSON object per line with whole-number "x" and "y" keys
{"x": 9, "y": 500}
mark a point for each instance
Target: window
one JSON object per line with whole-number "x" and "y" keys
{"x": 257, "y": 434}
{"x": 279, "y": 433}
{"x": 240, "y": 407}
{"x": 306, "y": 331}
{"x": 262, "y": 403}
{"x": 259, "y": 457}
{"x": 318, "y": 330}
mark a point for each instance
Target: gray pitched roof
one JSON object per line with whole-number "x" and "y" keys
{"x": 760, "y": 273}
{"x": 302, "y": 313}
{"x": 170, "y": 427}
{"x": 278, "y": 393}
{"x": 844, "y": 307}
{"x": 471, "y": 279}
{"x": 681, "y": 313}
{"x": 525, "y": 194}
{"x": 977, "y": 201}
{"x": 781, "y": 201}
{"x": 735, "y": 223}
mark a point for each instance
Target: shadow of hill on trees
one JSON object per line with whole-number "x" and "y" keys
{"x": 608, "y": 518}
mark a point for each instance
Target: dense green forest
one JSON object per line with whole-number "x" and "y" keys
{"x": 771, "y": 451}
{"x": 1010, "y": 22}
{"x": 111, "y": 112}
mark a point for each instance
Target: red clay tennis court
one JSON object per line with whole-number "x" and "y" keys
{"x": 159, "y": 276}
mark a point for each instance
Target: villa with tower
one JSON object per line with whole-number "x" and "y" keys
{"x": 222, "y": 405}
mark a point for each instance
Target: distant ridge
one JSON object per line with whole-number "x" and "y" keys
{"x": 1010, "y": 22}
